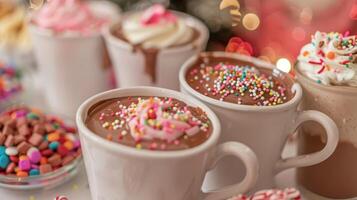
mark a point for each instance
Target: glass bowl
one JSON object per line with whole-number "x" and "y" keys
{"x": 46, "y": 181}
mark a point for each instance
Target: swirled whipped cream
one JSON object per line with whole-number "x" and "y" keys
{"x": 68, "y": 16}
{"x": 156, "y": 27}
{"x": 13, "y": 29}
{"x": 330, "y": 59}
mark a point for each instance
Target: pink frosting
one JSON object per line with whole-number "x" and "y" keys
{"x": 157, "y": 14}
{"x": 68, "y": 16}
{"x": 163, "y": 126}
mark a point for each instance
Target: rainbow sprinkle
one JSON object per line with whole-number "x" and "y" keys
{"x": 242, "y": 83}
{"x": 153, "y": 122}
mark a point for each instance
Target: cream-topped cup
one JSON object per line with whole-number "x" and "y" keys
{"x": 131, "y": 63}
{"x": 72, "y": 65}
{"x": 120, "y": 172}
{"x": 265, "y": 129}
{"x": 327, "y": 73}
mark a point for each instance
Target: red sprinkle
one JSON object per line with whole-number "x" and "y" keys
{"x": 316, "y": 62}
{"x": 344, "y": 62}
{"x": 321, "y": 70}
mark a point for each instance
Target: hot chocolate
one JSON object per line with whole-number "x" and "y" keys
{"x": 234, "y": 81}
{"x": 327, "y": 70}
{"x": 155, "y": 123}
{"x": 154, "y": 29}
{"x": 257, "y": 104}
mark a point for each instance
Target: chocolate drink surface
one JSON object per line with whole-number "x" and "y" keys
{"x": 155, "y": 123}
{"x": 233, "y": 81}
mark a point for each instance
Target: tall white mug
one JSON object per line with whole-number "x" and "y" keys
{"x": 121, "y": 172}
{"x": 129, "y": 65}
{"x": 71, "y": 66}
{"x": 264, "y": 129}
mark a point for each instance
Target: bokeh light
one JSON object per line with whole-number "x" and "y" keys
{"x": 306, "y": 15}
{"x": 251, "y": 21}
{"x": 284, "y": 65}
{"x": 298, "y": 34}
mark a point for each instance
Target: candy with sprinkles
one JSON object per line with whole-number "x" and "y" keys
{"x": 35, "y": 143}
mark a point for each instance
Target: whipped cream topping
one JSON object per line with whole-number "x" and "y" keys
{"x": 151, "y": 120}
{"x": 156, "y": 27}
{"x": 70, "y": 16}
{"x": 13, "y": 29}
{"x": 330, "y": 59}
{"x": 286, "y": 194}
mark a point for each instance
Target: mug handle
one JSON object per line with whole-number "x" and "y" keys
{"x": 250, "y": 161}
{"x": 316, "y": 157}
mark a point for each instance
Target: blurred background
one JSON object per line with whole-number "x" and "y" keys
{"x": 275, "y": 28}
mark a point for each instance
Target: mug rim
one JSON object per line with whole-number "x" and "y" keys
{"x": 296, "y": 87}
{"x": 199, "y": 25}
{"x": 144, "y": 153}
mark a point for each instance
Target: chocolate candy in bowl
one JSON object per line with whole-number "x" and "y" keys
{"x": 36, "y": 150}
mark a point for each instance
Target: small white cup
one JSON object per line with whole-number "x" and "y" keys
{"x": 71, "y": 67}
{"x": 129, "y": 66}
{"x": 264, "y": 129}
{"x": 120, "y": 172}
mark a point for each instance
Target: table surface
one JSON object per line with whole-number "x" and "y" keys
{"x": 78, "y": 188}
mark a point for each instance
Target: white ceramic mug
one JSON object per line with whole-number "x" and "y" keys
{"x": 264, "y": 129}
{"x": 71, "y": 66}
{"x": 120, "y": 172}
{"x": 129, "y": 65}
{"x": 339, "y": 102}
